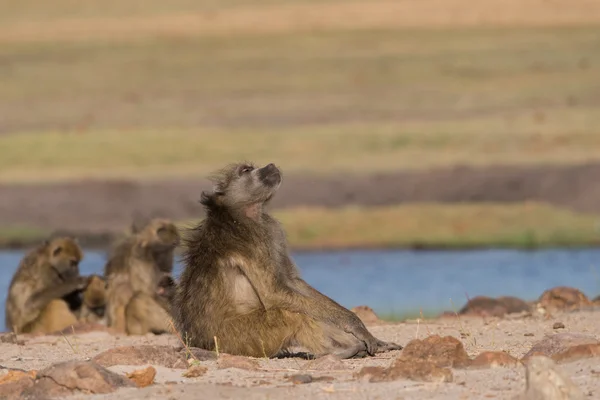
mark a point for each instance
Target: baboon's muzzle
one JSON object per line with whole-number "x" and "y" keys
{"x": 269, "y": 175}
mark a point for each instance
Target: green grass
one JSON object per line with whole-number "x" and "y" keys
{"x": 326, "y": 102}
{"x": 458, "y": 226}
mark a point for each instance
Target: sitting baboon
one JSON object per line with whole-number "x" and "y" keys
{"x": 45, "y": 276}
{"x": 240, "y": 286}
{"x": 134, "y": 270}
{"x": 93, "y": 304}
{"x": 142, "y": 315}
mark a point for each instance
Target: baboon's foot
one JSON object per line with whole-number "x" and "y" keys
{"x": 357, "y": 351}
{"x": 288, "y": 354}
{"x": 383, "y": 347}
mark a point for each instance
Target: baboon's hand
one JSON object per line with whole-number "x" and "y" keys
{"x": 387, "y": 346}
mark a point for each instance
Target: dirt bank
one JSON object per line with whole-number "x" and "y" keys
{"x": 262, "y": 378}
{"x": 108, "y": 206}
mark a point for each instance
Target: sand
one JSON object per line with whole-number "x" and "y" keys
{"x": 516, "y": 335}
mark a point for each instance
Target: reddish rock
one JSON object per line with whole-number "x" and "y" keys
{"x": 444, "y": 351}
{"x": 494, "y": 307}
{"x": 195, "y": 371}
{"x": 563, "y": 298}
{"x": 143, "y": 377}
{"x": 165, "y": 356}
{"x": 231, "y": 361}
{"x": 366, "y": 315}
{"x": 416, "y": 370}
{"x": 14, "y": 383}
{"x": 564, "y": 346}
{"x": 71, "y": 377}
{"x": 325, "y": 363}
{"x": 493, "y": 359}
{"x": 483, "y": 306}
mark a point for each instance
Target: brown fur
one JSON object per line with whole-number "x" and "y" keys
{"x": 240, "y": 284}
{"x": 93, "y": 306}
{"x": 133, "y": 271}
{"x": 45, "y": 276}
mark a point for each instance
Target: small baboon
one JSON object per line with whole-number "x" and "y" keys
{"x": 142, "y": 313}
{"x": 240, "y": 286}
{"x": 45, "y": 276}
{"x": 93, "y": 304}
{"x": 134, "y": 270}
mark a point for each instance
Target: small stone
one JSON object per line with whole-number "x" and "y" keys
{"x": 231, "y": 361}
{"x": 12, "y": 338}
{"x": 444, "y": 351}
{"x": 195, "y": 371}
{"x": 66, "y": 378}
{"x": 493, "y": 359}
{"x": 165, "y": 356}
{"x": 546, "y": 382}
{"x": 528, "y": 334}
{"x": 416, "y": 370}
{"x": 300, "y": 379}
{"x": 558, "y": 325}
{"x": 198, "y": 353}
{"x": 143, "y": 377}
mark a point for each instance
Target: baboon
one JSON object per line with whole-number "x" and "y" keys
{"x": 142, "y": 313}
{"x": 45, "y": 276}
{"x": 93, "y": 305}
{"x": 133, "y": 271}
{"x": 240, "y": 286}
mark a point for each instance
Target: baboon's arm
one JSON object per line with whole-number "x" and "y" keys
{"x": 41, "y": 299}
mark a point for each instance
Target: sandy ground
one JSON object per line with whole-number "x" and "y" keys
{"x": 515, "y": 335}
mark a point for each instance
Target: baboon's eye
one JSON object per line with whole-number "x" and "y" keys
{"x": 57, "y": 251}
{"x": 246, "y": 169}
{"x": 73, "y": 263}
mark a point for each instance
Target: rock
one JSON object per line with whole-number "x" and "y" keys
{"x": 546, "y": 382}
{"x": 514, "y": 305}
{"x": 577, "y": 353}
{"x": 416, "y": 370}
{"x": 300, "y": 378}
{"x": 15, "y": 382}
{"x": 563, "y": 298}
{"x": 325, "y": 363}
{"x": 444, "y": 351}
{"x": 70, "y": 377}
{"x": 12, "y": 338}
{"x": 165, "y": 356}
{"x": 494, "y": 307}
{"x": 558, "y": 346}
{"x": 493, "y": 359}
{"x": 198, "y": 353}
{"x": 143, "y": 377}
{"x": 483, "y": 306}
{"x": 195, "y": 371}
{"x": 558, "y": 325}
{"x": 231, "y": 361}
{"x": 366, "y": 315}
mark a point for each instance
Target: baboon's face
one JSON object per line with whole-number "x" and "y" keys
{"x": 64, "y": 256}
{"x": 95, "y": 294}
{"x": 161, "y": 233}
{"x": 245, "y": 184}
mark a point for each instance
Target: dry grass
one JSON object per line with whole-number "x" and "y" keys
{"x": 25, "y": 22}
{"x": 523, "y": 225}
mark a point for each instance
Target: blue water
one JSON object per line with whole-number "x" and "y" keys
{"x": 400, "y": 281}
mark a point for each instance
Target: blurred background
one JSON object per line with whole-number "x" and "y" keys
{"x": 432, "y": 150}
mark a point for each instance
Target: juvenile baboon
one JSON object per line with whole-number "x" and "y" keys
{"x": 142, "y": 313}
{"x": 240, "y": 285}
{"x": 45, "y": 276}
{"x": 134, "y": 270}
{"x": 93, "y": 305}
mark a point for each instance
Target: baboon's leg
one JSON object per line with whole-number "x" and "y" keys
{"x": 321, "y": 339}
{"x": 343, "y": 313}
{"x": 56, "y": 316}
{"x": 118, "y": 298}
{"x": 144, "y": 314}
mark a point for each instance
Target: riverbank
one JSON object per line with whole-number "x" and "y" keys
{"x": 427, "y": 226}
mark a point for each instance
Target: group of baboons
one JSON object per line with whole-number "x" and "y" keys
{"x": 239, "y": 289}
